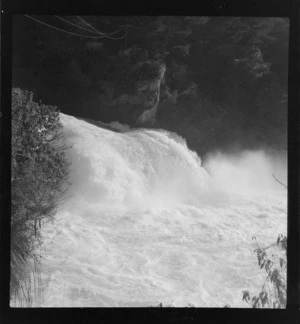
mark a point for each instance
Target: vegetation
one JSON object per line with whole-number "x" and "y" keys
{"x": 225, "y": 79}
{"x": 273, "y": 291}
{"x": 39, "y": 181}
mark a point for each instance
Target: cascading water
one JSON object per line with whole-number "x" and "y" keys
{"x": 146, "y": 223}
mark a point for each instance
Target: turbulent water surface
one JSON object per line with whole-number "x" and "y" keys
{"x": 146, "y": 223}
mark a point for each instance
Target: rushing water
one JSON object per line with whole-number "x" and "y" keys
{"x": 146, "y": 223}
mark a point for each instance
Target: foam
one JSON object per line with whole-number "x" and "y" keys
{"x": 147, "y": 223}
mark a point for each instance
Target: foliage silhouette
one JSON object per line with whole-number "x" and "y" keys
{"x": 273, "y": 291}
{"x": 39, "y": 182}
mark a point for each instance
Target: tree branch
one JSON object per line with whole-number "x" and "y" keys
{"x": 285, "y": 186}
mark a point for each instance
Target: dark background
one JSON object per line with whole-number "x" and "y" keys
{"x": 224, "y": 86}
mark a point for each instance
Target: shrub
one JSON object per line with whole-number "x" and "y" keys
{"x": 273, "y": 291}
{"x": 39, "y": 181}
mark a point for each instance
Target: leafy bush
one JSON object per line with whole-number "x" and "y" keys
{"x": 39, "y": 181}
{"x": 273, "y": 291}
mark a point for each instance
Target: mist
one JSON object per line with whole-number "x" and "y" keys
{"x": 148, "y": 221}
{"x": 247, "y": 171}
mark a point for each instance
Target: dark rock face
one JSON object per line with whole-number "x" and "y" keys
{"x": 136, "y": 105}
{"x": 152, "y": 90}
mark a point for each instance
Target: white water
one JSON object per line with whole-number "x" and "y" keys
{"x": 147, "y": 224}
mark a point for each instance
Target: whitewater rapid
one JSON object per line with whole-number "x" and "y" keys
{"x": 146, "y": 223}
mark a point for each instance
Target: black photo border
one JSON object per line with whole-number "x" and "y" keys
{"x": 251, "y": 8}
